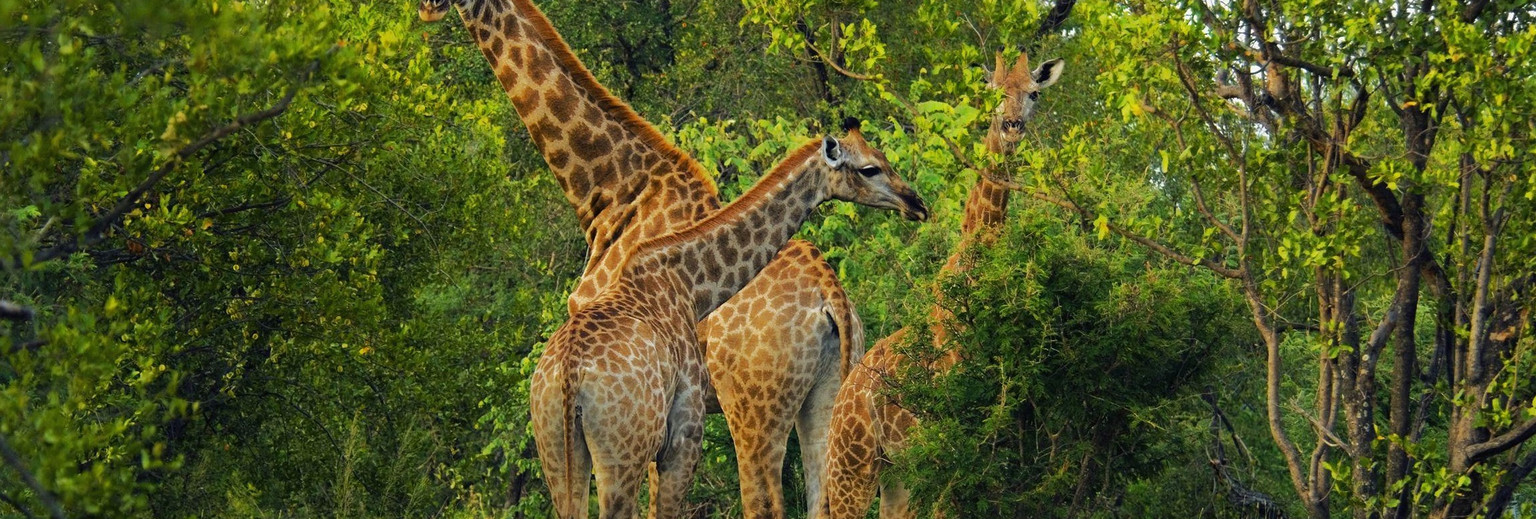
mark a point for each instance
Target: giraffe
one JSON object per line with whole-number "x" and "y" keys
{"x": 621, "y": 384}
{"x": 865, "y": 423}
{"x": 779, "y": 350}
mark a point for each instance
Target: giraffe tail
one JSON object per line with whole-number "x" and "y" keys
{"x": 576, "y": 479}
{"x": 850, "y": 330}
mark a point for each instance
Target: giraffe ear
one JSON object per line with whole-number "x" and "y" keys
{"x": 999, "y": 70}
{"x": 1048, "y": 72}
{"x": 831, "y": 152}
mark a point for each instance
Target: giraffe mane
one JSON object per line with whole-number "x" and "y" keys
{"x": 608, "y": 102}
{"x": 729, "y": 213}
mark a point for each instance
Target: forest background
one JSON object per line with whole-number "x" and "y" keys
{"x": 297, "y": 257}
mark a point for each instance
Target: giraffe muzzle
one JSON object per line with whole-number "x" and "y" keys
{"x": 432, "y": 10}
{"x": 913, "y": 208}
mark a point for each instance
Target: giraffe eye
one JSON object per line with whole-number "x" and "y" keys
{"x": 870, "y": 171}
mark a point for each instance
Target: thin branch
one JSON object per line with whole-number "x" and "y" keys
{"x": 1308, "y": 66}
{"x": 13, "y": 459}
{"x": 1473, "y": 10}
{"x": 97, "y": 232}
{"x": 278, "y": 202}
{"x": 1200, "y": 204}
{"x": 1324, "y": 434}
{"x": 1160, "y": 248}
{"x": 7, "y": 499}
{"x": 911, "y": 108}
{"x": 840, "y": 70}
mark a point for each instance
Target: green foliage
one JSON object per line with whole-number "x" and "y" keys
{"x": 333, "y": 308}
{"x": 1063, "y": 345}
{"x": 316, "y": 313}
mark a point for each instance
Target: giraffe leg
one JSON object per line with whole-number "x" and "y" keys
{"x": 813, "y": 425}
{"x": 623, "y": 437}
{"x": 572, "y": 503}
{"x": 759, "y": 465}
{"x": 895, "y": 501}
{"x": 851, "y": 453}
{"x": 618, "y": 487}
{"x": 672, "y": 474}
{"x": 761, "y": 377}
{"x": 620, "y": 463}
{"x": 558, "y": 432}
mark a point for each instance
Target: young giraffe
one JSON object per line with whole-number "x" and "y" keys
{"x": 622, "y": 383}
{"x": 865, "y": 424}
{"x": 779, "y": 350}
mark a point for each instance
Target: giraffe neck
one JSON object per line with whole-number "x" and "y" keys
{"x": 719, "y": 255}
{"x": 603, "y": 154}
{"x": 986, "y": 208}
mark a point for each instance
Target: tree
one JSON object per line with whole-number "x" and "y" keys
{"x": 1307, "y": 152}
{"x": 264, "y": 243}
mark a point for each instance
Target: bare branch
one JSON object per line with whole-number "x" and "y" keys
{"x": 1473, "y": 10}
{"x": 1311, "y": 67}
{"x": 1324, "y": 433}
{"x": 7, "y": 499}
{"x": 1517, "y": 435}
{"x": 840, "y": 70}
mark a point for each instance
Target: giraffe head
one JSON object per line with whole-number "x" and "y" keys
{"x": 433, "y": 10}
{"x": 860, "y": 174}
{"x": 1021, "y": 89}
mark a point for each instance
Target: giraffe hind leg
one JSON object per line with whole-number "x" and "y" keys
{"x": 581, "y": 469}
{"x": 672, "y": 473}
{"x": 618, "y": 487}
{"x": 813, "y": 426}
{"x": 558, "y": 432}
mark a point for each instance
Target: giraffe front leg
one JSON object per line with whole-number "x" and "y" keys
{"x": 895, "y": 501}
{"x": 672, "y": 474}
{"x": 852, "y": 453}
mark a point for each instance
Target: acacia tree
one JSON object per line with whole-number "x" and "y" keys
{"x": 1362, "y": 172}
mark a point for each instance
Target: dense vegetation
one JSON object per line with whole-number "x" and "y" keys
{"x": 297, "y": 257}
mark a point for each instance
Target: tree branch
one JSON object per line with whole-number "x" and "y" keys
{"x": 1517, "y": 435}
{"x": 1473, "y": 10}
{"x": 1160, "y": 248}
{"x": 13, "y": 459}
{"x": 97, "y": 232}
{"x": 1505, "y": 491}
{"x": 7, "y": 499}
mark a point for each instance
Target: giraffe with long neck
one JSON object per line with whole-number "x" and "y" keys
{"x": 865, "y": 423}
{"x": 777, "y": 352}
{"x": 621, "y": 384}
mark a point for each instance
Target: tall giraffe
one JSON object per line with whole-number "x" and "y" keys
{"x": 779, "y": 350}
{"x": 865, "y": 424}
{"x": 621, "y": 384}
